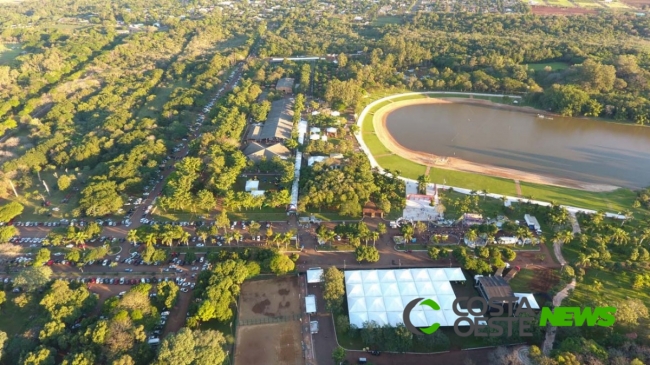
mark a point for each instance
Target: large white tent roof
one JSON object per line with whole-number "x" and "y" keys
{"x": 381, "y": 295}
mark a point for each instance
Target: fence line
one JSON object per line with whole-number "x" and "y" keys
{"x": 281, "y": 319}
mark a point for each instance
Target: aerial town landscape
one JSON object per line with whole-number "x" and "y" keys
{"x": 337, "y": 182}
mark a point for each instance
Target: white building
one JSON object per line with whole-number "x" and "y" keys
{"x": 310, "y": 304}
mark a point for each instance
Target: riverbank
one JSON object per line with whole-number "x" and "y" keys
{"x": 455, "y": 164}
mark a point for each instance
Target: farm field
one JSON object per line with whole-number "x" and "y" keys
{"x": 562, "y": 3}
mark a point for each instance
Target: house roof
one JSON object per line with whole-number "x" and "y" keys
{"x": 279, "y": 122}
{"x": 495, "y": 286}
{"x": 256, "y": 151}
{"x": 285, "y": 82}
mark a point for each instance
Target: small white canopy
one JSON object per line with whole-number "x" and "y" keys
{"x": 335, "y": 114}
{"x": 257, "y": 193}
{"x": 314, "y": 275}
{"x": 314, "y": 137}
{"x": 331, "y": 130}
{"x": 454, "y": 274}
{"x": 315, "y": 112}
{"x": 323, "y": 138}
{"x": 531, "y": 299}
{"x": 314, "y": 130}
{"x": 252, "y": 185}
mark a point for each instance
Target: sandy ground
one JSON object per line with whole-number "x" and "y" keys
{"x": 379, "y": 121}
{"x": 264, "y": 299}
{"x": 269, "y": 344}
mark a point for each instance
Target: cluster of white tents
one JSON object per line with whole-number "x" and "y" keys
{"x": 381, "y": 295}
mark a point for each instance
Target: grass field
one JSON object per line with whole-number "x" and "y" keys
{"x": 589, "y": 4}
{"x": 562, "y": 3}
{"x": 9, "y": 52}
{"x": 387, "y": 20}
{"x": 468, "y": 180}
{"x": 555, "y": 66}
{"x": 235, "y": 41}
{"x": 407, "y": 168}
{"x": 615, "y": 201}
{"x": 152, "y": 108}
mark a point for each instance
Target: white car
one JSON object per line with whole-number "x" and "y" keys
{"x": 184, "y": 290}
{"x": 200, "y": 245}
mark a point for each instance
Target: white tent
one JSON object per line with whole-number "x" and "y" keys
{"x": 358, "y": 318}
{"x": 257, "y": 193}
{"x": 443, "y": 287}
{"x": 372, "y": 290}
{"x": 454, "y": 274}
{"x": 252, "y": 185}
{"x": 406, "y": 288}
{"x": 331, "y": 130}
{"x": 531, "y": 299}
{"x": 314, "y": 130}
{"x": 358, "y": 306}
{"x": 353, "y": 277}
{"x": 395, "y": 318}
{"x": 355, "y": 290}
{"x": 425, "y": 289}
{"x": 324, "y": 138}
{"x": 380, "y": 317}
{"x": 387, "y": 276}
{"x": 437, "y": 275}
{"x": 389, "y": 289}
{"x": 375, "y": 304}
{"x": 393, "y": 304}
{"x": 381, "y": 295}
{"x": 314, "y": 137}
{"x": 335, "y": 114}
{"x": 420, "y": 275}
{"x": 314, "y": 275}
{"x": 370, "y": 276}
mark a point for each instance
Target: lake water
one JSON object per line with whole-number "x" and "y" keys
{"x": 579, "y": 149}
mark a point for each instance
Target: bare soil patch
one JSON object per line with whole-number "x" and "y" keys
{"x": 543, "y": 280}
{"x": 456, "y": 164}
{"x": 269, "y": 344}
{"x": 266, "y": 299}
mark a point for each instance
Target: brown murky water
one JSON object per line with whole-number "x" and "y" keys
{"x": 580, "y": 149}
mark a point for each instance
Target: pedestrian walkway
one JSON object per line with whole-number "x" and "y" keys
{"x": 518, "y": 188}
{"x": 307, "y": 340}
{"x": 557, "y": 301}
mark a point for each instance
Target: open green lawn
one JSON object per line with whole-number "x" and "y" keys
{"x": 233, "y": 42}
{"x": 9, "y": 52}
{"x": 616, "y": 5}
{"x": 386, "y": 20}
{"x": 615, "y": 284}
{"x": 555, "y": 66}
{"x": 521, "y": 282}
{"x": 14, "y": 320}
{"x": 468, "y": 180}
{"x": 32, "y": 198}
{"x": 374, "y": 144}
{"x": 615, "y": 201}
{"x": 562, "y": 3}
{"x": 162, "y": 92}
{"x": 407, "y": 168}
